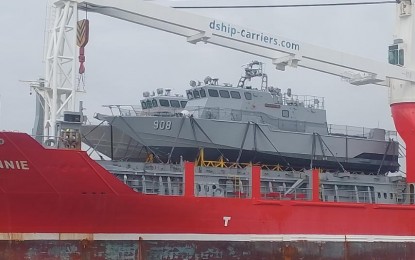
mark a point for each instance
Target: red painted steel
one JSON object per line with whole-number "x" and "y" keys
{"x": 62, "y": 191}
{"x": 189, "y": 173}
{"x": 316, "y": 185}
{"x": 256, "y": 182}
{"x": 404, "y": 117}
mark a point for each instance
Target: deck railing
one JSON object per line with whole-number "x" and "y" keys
{"x": 250, "y": 184}
{"x": 236, "y": 115}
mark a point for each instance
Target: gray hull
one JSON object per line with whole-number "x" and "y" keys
{"x": 175, "y": 137}
{"x": 119, "y": 147}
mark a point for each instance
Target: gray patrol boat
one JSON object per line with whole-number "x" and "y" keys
{"x": 115, "y": 143}
{"x": 248, "y": 125}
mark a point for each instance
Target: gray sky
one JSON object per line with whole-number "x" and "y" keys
{"x": 123, "y": 60}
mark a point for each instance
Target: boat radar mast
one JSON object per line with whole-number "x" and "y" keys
{"x": 252, "y": 70}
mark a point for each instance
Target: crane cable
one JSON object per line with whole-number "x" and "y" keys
{"x": 285, "y": 5}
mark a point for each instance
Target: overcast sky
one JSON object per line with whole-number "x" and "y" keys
{"x": 123, "y": 59}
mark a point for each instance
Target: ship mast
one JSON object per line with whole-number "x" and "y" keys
{"x": 57, "y": 92}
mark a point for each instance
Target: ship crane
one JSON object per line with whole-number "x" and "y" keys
{"x": 398, "y": 75}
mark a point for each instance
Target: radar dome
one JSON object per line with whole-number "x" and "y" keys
{"x": 185, "y": 113}
{"x": 159, "y": 91}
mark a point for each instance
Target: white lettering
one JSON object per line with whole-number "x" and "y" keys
{"x": 9, "y": 164}
{"x": 14, "y": 165}
{"x": 226, "y": 220}
{"x": 162, "y": 125}
{"x": 24, "y": 165}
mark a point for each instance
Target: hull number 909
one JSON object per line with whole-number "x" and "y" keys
{"x": 162, "y": 125}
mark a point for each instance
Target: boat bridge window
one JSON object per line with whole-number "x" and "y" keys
{"x": 143, "y": 105}
{"x": 285, "y": 113}
{"x": 248, "y": 95}
{"x": 148, "y": 103}
{"x": 164, "y": 103}
{"x": 202, "y": 93}
{"x": 235, "y": 94}
{"x": 154, "y": 103}
{"x": 224, "y": 94}
{"x": 174, "y": 103}
{"x": 183, "y": 103}
{"x": 189, "y": 94}
{"x": 213, "y": 93}
{"x": 196, "y": 93}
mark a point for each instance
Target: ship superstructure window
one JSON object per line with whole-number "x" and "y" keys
{"x": 164, "y": 103}
{"x": 189, "y": 94}
{"x": 143, "y": 105}
{"x": 154, "y": 103}
{"x": 183, "y": 103}
{"x": 224, "y": 94}
{"x": 202, "y": 93}
{"x": 196, "y": 93}
{"x": 396, "y": 55}
{"x": 285, "y": 113}
{"x": 213, "y": 93}
{"x": 175, "y": 103}
{"x": 248, "y": 95}
{"x": 148, "y": 103}
{"x": 235, "y": 94}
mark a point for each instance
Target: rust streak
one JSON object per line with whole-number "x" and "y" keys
{"x": 140, "y": 255}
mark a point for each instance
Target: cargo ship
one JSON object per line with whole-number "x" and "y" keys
{"x": 58, "y": 203}
{"x": 61, "y": 204}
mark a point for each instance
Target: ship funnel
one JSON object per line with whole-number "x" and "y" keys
{"x": 404, "y": 118}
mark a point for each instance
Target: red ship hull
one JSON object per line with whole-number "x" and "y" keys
{"x": 62, "y": 201}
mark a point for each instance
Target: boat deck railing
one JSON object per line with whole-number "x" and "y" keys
{"x": 168, "y": 188}
{"x": 244, "y": 192}
{"x": 236, "y": 115}
{"x": 136, "y": 110}
{"x": 256, "y": 182}
{"x": 286, "y": 194}
{"x": 360, "y": 132}
{"x": 351, "y": 195}
{"x": 303, "y": 101}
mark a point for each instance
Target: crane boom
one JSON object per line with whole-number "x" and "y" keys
{"x": 282, "y": 51}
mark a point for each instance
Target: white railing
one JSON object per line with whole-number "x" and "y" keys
{"x": 360, "y": 132}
